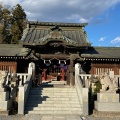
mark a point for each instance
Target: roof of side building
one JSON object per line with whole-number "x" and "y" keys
{"x": 101, "y": 52}
{"x": 13, "y": 50}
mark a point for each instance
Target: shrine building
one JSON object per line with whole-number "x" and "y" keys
{"x": 55, "y": 48}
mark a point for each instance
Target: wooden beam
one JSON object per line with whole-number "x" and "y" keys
{"x": 54, "y": 56}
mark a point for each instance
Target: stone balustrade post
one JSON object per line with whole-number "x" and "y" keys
{"x": 84, "y": 91}
{"x": 21, "y": 100}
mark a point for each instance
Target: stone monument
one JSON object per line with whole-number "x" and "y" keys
{"x": 5, "y": 103}
{"x": 107, "y": 100}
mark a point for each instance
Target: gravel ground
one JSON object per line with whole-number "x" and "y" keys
{"x": 51, "y": 117}
{"x": 99, "y": 118}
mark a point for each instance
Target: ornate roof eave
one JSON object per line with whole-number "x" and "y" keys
{"x": 52, "y": 37}
{"x": 69, "y": 45}
{"x": 58, "y": 38}
{"x": 32, "y": 55}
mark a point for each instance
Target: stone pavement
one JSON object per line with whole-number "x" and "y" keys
{"x": 52, "y": 117}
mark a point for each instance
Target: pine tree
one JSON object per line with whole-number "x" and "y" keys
{"x": 18, "y": 23}
{"x": 5, "y": 19}
{"x": 12, "y": 24}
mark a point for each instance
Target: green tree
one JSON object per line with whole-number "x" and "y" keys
{"x": 5, "y": 19}
{"x": 18, "y": 23}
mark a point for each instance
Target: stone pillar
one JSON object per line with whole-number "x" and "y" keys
{"x": 5, "y": 102}
{"x": 82, "y": 92}
{"x": 21, "y": 101}
{"x": 77, "y": 69}
{"x": 31, "y": 71}
{"x": 85, "y": 101}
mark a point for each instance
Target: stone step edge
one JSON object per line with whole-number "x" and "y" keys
{"x": 49, "y": 107}
{"x": 53, "y": 88}
{"x": 52, "y": 102}
{"x": 53, "y": 91}
{"x": 54, "y": 105}
{"x": 55, "y": 113}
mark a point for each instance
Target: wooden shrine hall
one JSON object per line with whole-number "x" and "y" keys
{"x": 55, "y": 48}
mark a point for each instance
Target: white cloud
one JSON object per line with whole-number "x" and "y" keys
{"x": 63, "y": 10}
{"x": 9, "y": 2}
{"x": 82, "y": 20}
{"x": 116, "y": 40}
{"x": 102, "y": 39}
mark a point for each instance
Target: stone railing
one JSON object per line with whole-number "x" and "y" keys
{"x": 79, "y": 87}
{"x": 118, "y": 80}
{"x": 81, "y": 91}
{"x": 23, "y": 94}
{"x": 22, "y": 77}
{"x": 82, "y": 87}
{"x": 25, "y": 88}
{"x": 84, "y": 78}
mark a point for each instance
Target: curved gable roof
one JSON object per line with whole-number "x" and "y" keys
{"x": 69, "y": 33}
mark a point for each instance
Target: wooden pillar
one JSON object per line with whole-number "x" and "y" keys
{"x": 92, "y": 69}
{"x": 63, "y": 74}
{"x": 116, "y": 70}
{"x": 39, "y": 76}
{"x": 45, "y": 74}
{"x": 72, "y": 79}
{"x": 68, "y": 75}
{"x": 38, "y": 72}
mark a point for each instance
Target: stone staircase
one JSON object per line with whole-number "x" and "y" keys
{"x": 53, "y": 99}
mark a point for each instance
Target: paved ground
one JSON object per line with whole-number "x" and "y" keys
{"x": 51, "y": 117}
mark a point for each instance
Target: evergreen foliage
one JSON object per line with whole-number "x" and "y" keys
{"x": 98, "y": 87}
{"x": 12, "y": 23}
{"x": 18, "y": 23}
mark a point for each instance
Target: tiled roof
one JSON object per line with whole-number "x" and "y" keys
{"x": 57, "y": 23}
{"x": 101, "y": 52}
{"x": 13, "y": 50}
{"x": 70, "y": 33}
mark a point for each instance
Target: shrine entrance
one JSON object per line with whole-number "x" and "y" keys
{"x": 54, "y": 70}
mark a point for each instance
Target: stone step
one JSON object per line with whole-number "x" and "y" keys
{"x": 53, "y": 101}
{"x": 54, "y": 82}
{"x": 53, "y": 88}
{"x": 59, "y": 112}
{"x": 52, "y": 108}
{"x": 53, "y": 93}
{"x": 54, "y": 105}
{"x": 44, "y": 98}
{"x": 59, "y": 96}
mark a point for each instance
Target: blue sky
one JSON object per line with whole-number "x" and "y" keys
{"x": 107, "y": 31}
{"x": 102, "y": 16}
